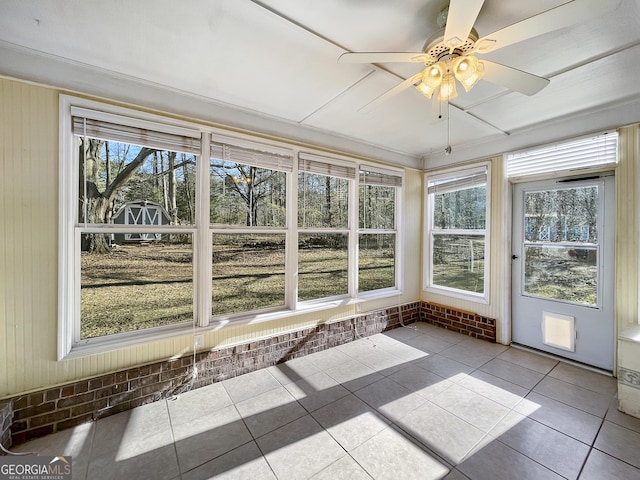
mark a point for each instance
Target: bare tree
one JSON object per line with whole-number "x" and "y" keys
{"x": 94, "y": 203}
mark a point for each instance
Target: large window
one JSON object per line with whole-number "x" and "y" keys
{"x": 323, "y": 222}
{"x": 248, "y": 220}
{"x": 377, "y": 234}
{"x": 168, "y": 226}
{"x": 457, "y": 227}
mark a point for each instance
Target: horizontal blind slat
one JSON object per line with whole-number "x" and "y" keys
{"x": 382, "y": 179}
{"x": 135, "y": 135}
{"x": 321, "y": 166}
{"x": 457, "y": 183}
{"x": 592, "y": 152}
{"x": 256, "y": 158}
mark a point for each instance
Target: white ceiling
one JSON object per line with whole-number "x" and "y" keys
{"x": 271, "y": 66}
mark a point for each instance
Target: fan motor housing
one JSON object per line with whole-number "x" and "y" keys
{"x": 436, "y": 49}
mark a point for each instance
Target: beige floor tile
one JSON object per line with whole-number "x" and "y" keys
{"x": 529, "y": 360}
{"x": 270, "y": 410}
{"x": 600, "y": 466}
{"x": 556, "y": 451}
{"x": 575, "y": 396}
{"x": 242, "y": 463}
{"x": 441, "y": 431}
{"x": 566, "y": 419}
{"x": 471, "y": 407}
{"x": 249, "y": 385}
{"x": 497, "y": 461}
{"x": 597, "y": 382}
{"x": 300, "y": 449}
{"x": 316, "y": 391}
{"x": 390, "y": 398}
{"x": 350, "y": 421}
{"x": 390, "y": 455}
{"x": 619, "y": 442}
{"x": 513, "y": 373}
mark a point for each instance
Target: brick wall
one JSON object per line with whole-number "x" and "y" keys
{"x": 460, "y": 321}
{"x": 47, "y": 411}
{"x": 6, "y": 418}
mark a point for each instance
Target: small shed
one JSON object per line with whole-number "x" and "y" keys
{"x": 140, "y": 212}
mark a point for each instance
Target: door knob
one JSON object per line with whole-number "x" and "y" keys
{"x": 514, "y": 257}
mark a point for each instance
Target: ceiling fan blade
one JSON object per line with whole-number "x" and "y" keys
{"x": 513, "y": 79}
{"x": 390, "y": 93}
{"x": 460, "y": 19}
{"x": 571, "y": 13}
{"x": 382, "y": 57}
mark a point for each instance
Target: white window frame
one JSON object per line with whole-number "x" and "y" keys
{"x": 349, "y": 230}
{"x": 69, "y": 343}
{"x": 428, "y": 286}
{"x": 397, "y": 231}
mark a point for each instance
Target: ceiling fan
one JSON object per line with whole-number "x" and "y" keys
{"x": 449, "y": 57}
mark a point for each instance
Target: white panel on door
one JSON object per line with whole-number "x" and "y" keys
{"x": 559, "y": 331}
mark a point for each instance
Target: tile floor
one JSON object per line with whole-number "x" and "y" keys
{"x": 415, "y": 403}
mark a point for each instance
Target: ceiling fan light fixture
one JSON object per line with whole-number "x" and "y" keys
{"x": 448, "y": 89}
{"x": 431, "y": 78}
{"x": 468, "y": 70}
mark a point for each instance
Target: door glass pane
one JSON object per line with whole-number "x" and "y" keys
{"x": 562, "y": 215}
{"x": 562, "y": 273}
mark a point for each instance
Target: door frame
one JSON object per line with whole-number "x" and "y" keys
{"x": 610, "y": 192}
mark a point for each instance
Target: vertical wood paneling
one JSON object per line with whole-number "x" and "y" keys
{"x": 29, "y": 253}
{"x": 627, "y": 227}
{"x": 497, "y": 255}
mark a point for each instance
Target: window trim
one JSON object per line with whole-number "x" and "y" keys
{"x": 428, "y": 286}
{"x": 69, "y": 347}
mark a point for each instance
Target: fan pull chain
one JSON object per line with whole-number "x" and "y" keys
{"x": 447, "y": 151}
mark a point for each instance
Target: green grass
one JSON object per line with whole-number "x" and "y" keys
{"x": 143, "y": 286}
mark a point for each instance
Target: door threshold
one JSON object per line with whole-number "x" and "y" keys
{"x": 559, "y": 358}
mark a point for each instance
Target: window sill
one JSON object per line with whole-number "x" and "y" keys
{"x": 470, "y": 297}
{"x": 119, "y": 341}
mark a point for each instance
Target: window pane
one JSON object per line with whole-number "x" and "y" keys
{"x": 564, "y": 215}
{"x": 248, "y": 272}
{"x": 461, "y": 209}
{"x": 377, "y": 207}
{"x": 140, "y": 282}
{"x": 119, "y": 174}
{"x": 322, "y": 265}
{"x": 246, "y": 195}
{"x": 322, "y": 201}
{"x": 376, "y": 261}
{"x": 562, "y": 273}
{"x": 458, "y": 262}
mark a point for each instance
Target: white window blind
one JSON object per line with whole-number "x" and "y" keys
{"x": 246, "y": 156}
{"x": 457, "y": 182}
{"x": 144, "y": 134}
{"x": 379, "y": 178}
{"x": 323, "y": 166}
{"x": 595, "y": 152}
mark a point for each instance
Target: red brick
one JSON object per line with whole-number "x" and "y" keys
{"x": 76, "y": 400}
{"x": 49, "y": 418}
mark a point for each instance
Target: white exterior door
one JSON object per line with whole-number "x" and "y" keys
{"x": 562, "y": 268}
